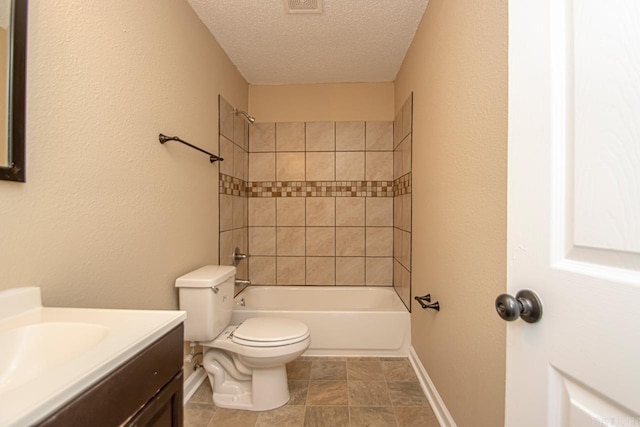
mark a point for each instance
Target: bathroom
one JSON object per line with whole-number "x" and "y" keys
{"x": 109, "y": 218}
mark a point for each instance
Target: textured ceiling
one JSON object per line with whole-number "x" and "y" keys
{"x": 350, "y": 41}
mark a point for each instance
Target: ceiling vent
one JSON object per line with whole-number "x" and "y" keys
{"x": 303, "y": 6}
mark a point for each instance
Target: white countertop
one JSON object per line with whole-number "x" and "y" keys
{"x": 126, "y": 333}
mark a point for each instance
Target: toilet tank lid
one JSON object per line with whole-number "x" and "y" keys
{"x": 206, "y": 277}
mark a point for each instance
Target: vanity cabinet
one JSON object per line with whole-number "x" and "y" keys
{"x": 146, "y": 390}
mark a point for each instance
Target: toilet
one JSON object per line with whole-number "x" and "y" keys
{"x": 245, "y": 363}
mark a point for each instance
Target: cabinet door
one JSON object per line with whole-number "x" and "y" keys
{"x": 164, "y": 409}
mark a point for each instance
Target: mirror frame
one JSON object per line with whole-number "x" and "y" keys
{"x": 17, "y": 94}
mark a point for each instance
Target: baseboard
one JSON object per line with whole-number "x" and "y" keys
{"x": 437, "y": 404}
{"x": 192, "y": 383}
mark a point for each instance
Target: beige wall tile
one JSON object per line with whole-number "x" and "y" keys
{"x": 290, "y": 136}
{"x": 405, "y": 250}
{"x": 396, "y": 274}
{"x": 397, "y": 243}
{"x": 405, "y": 149}
{"x": 379, "y": 241}
{"x": 350, "y": 271}
{"x": 242, "y": 270}
{"x": 226, "y": 212}
{"x": 379, "y": 166}
{"x": 226, "y": 247}
{"x": 290, "y": 211}
{"x": 350, "y": 241}
{"x": 321, "y": 271}
{"x": 397, "y": 129}
{"x": 350, "y": 136}
{"x": 379, "y": 136}
{"x": 290, "y": 270}
{"x": 397, "y": 211}
{"x": 290, "y": 167}
{"x": 239, "y": 206}
{"x": 321, "y": 241}
{"x": 240, "y": 240}
{"x": 262, "y": 241}
{"x": 262, "y": 270}
{"x": 379, "y": 271}
{"x": 291, "y": 241}
{"x": 321, "y": 211}
{"x": 262, "y": 212}
{"x": 262, "y": 137}
{"x": 240, "y": 131}
{"x": 262, "y": 167}
{"x": 406, "y": 212}
{"x": 407, "y": 117}
{"x": 350, "y": 166}
{"x": 321, "y": 166}
{"x": 350, "y": 211}
{"x": 240, "y": 163}
{"x": 226, "y": 118}
{"x": 226, "y": 152}
{"x": 379, "y": 211}
{"x": 320, "y": 136}
{"x": 397, "y": 163}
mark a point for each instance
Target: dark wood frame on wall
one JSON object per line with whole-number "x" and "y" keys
{"x": 16, "y": 171}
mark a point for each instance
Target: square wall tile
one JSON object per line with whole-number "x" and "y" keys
{"x": 262, "y": 270}
{"x": 406, "y": 212}
{"x": 290, "y": 166}
{"x": 240, "y": 131}
{"x": 290, "y": 211}
{"x": 379, "y": 166}
{"x": 321, "y": 241}
{"x": 350, "y": 211}
{"x": 262, "y": 137}
{"x": 226, "y": 152}
{"x": 379, "y": 241}
{"x": 290, "y": 270}
{"x": 226, "y": 247}
{"x": 321, "y": 271}
{"x": 262, "y": 167}
{"x": 320, "y": 136}
{"x": 290, "y": 136}
{"x": 397, "y": 211}
{"x": 239, "y": 206}
{"x": 405, "y": 250}
{"x": 350, "y": 271}
{"x": 291, "y": 241}
{"x": 240, "y": 163}
{"x": 262, "y": 241}
{"x": 397, "y": 243}
{"x": 350, "y": 136}
{"x": 407, "y": 116}
{"x": 379, "y": 136}
{"x": 350, "y": 241}
{"x": 379, "y": 271}
{"x": 321, "y": 166}
{"x": 262, "y": 212}
{"x": 350, "y": 166}
{"x": 405, "y": 150}
{"x": 321, "y": 211}
{"x": 379, "y": 211}
{"x": 397, "y": 129}
{"x": 397, "y": 163}
{"x": 226, "y": 118}
{"x": 226, "y": 212}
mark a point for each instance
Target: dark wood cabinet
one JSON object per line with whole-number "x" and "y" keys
{"x": 146, "y": 390}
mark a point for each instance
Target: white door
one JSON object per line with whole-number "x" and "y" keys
{"x": 574, "y": 212}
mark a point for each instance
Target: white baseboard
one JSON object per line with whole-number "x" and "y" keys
{"x": 437, "y": 404}
{"x": 192, "y": 383}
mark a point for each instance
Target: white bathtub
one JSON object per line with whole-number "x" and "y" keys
{"x": 343, "y": 321}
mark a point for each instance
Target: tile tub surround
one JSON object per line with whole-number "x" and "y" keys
{"x": 320, "y": 206}
{"x": 330, "y": 392}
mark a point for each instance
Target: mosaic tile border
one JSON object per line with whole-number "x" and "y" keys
{"x": 232, "y": 186}
{"x": 402, "y": 185}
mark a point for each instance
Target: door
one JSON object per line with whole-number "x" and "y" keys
{"x": 574, "y": 212}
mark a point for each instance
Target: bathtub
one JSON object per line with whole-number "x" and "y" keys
{"x": 343, "y": 321}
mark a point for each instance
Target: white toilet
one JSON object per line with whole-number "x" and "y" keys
{"x": 245, "y": 363}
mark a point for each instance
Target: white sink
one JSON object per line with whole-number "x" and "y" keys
{"x": 29, "y": 351}
{"x": 49, "y": 355}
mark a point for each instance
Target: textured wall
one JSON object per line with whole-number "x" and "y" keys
{"x": 108, "y": 216}
{"x": 457, "y": 70}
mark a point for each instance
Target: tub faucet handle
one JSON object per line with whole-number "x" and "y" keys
{"x": 238, "y": 256}
{"x": 243, "y": 282}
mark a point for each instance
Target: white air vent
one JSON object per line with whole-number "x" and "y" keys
{"x": 303, "y": 6}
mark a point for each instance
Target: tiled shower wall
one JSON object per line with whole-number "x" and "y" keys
{"x": 402, "y": 150}
{"x": 321, "y": 203}
{"x": 234, "y": 143}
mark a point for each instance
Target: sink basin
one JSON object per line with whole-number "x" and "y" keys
{"x": 30, "y": 351}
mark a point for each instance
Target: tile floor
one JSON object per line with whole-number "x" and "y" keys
{"x": 332, "y": 392}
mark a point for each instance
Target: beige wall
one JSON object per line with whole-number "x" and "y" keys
{"x": 4, "y": 67}
{"x": 457, "y": 69}
{"x": 108, "y": 216}
{"x": 322, "y": 102}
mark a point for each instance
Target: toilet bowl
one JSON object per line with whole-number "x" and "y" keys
{"x": 245, "y": 363}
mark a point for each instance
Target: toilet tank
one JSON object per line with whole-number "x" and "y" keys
{"x": 206, "y": 294}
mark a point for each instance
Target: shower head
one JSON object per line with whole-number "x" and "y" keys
{"x": 249, "y": 118}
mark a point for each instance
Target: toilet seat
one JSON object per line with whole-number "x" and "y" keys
{"x": 269, "y": 332}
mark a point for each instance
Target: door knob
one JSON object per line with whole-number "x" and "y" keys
{"x": 526, "y": 305}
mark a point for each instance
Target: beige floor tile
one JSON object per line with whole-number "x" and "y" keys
{"x": 298, "y": 370}
{"x": 368, "y": 393}
{"x": 327, "y": 393}
{"x": 415, "y": 416}
{"x": 298, "y": 391}
{"x": 406, "y": 394}
{"x": 233, "y": 418}
{"x": 285, "y": 416}
{"x": 398, "y": 370}
{"x": 364, "y": 370}
{"x": 377, "y": 416}
{"x": 203, "y": 394}
{"x": 198, "y": 414}
{"x": 326, "y": 416}
{"x": 328, "y": 370}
